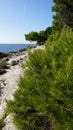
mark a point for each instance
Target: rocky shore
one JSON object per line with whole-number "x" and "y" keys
{"x": 9, "y": 82}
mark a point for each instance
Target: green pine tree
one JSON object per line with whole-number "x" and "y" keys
{"x": 44, "y": 98}
{"x": 64, "y": 13}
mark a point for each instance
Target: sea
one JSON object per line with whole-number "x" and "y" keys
{"x": 13, "y": 47}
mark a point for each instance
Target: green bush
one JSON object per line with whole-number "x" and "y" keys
{"x": 3, "y": 66}
{"x": 2, "y": 55}
{"x": 44, "y": 99}
{"x": 2, "y": 124}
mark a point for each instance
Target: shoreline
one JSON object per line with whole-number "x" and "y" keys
{"x": 6, "y": 48}
{"x": 9, "y": 82}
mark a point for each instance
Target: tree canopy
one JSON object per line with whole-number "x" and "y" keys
{"x": 39, "y": 37}
{"x": 63, "y": 16}
{"x": 32, "y": 36}
{"x": 64, "y": 13}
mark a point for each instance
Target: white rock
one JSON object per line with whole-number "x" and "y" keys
{"x": 11, "y": 84}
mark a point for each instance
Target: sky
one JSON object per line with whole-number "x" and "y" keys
{"x": 19, "y": 17}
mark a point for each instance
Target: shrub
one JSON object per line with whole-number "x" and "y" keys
{"x": 44, "y": 99}
{"x": 3, "y": 66}
{"x": 2, "y": 54}
{"x": 2, "y": 124}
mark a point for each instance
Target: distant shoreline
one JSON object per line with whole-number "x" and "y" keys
{"x": 14, "y": 47}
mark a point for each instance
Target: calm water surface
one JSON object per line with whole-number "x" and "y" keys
{"x": 12, "y": 47}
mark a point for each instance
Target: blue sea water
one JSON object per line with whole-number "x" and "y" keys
{"x": 12, "y": 47}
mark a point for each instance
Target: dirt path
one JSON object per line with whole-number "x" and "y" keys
{"x": 8, "y": 85}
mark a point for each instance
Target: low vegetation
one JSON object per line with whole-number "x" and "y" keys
{"x": 3, "y": 66}
{"x": 2, "y": 122}
{"x": 2, "y": 55}
{"x": 44, "y": 99}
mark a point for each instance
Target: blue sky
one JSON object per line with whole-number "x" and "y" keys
{"x": 19, "y": 17}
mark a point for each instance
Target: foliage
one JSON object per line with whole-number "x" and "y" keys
{"x": 39, "y": 37}
{"x": 32, "y": 36}
{"x": 2, "y": 55}
{"x": 64, "y": 13}
{"x": 2, "y": 123}
{"x": 44, "y": 98}
{"x": 3, "y": 66}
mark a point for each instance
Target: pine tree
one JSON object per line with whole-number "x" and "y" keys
{"x": 64, "y": 13}
{"x": 44, "y": 99}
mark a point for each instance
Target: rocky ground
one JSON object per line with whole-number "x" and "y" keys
{"x": 9, "y": 83}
